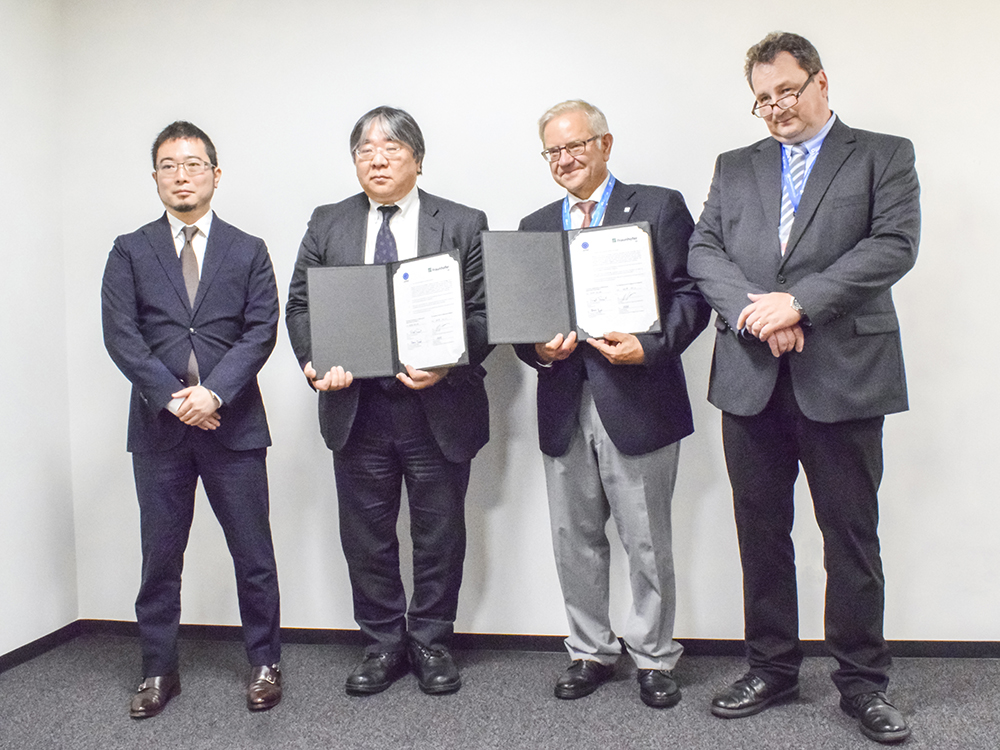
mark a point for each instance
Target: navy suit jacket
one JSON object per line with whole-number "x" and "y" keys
{"x": 456, "y": 407}
{"x": 150, "y": 329}
{"x": 855, "y": 234}
{"x": 643, "y": 407}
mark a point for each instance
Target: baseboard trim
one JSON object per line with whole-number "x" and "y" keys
{"x": 466, "y": 642}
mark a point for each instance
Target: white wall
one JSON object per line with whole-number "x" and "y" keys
{"x": 37, "y": 555}
{"x": 278, "y": 86}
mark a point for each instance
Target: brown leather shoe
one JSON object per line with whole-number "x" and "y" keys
{"x": 153, "y": 695}
{"x": 264, "y": 689}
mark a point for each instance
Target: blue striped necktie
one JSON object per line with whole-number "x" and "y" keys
{"x": 797, "y": 172}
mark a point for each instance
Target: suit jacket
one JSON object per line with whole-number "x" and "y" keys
{"x": 456, "y": 407}
{"x": 150, "y": 329}
{"x": 855, "y": 234}
{"x": 643, "y": 407}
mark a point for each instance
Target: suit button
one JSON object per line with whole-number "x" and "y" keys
{"x": 781, "y": 279}
{"x": 191, "y": 329}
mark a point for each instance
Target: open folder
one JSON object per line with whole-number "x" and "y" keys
{"x": 592, "y": 281}
{"x": 373, "y": 319}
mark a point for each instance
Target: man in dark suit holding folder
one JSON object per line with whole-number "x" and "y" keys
{"x": 421, "y": 426}
{"x": 611, "y": 413}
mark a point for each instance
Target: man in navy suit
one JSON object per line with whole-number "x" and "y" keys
{"x": 611, "y": 414}
{"x": 190, "y": 313}
{"x": 421, "y": 426}
{"x": 801, "y": 239}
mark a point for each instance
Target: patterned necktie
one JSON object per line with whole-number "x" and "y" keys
{"x": 586, "y": 207}
{"x": 385, "y": 243}
{"x": 797, "y": 173}
{"x": 189, "y": 267}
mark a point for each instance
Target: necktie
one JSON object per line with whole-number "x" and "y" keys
{"x": 797, "y": 173}
{"x": 385, "y": 243}
{"x": 586, "y": 207}
{"x": 189, "y": 267}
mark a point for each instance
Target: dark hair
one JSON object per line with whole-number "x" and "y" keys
{"x": 185, "y": 130}
{"x": 774, "y": 44}
{"x": 397, "y": 126}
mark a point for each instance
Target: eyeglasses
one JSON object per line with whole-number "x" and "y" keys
{"x": 573, "y": 149}
{"x": 391, "y": 151}
{"x": 786, "y": 102}
{"x": 193, "y": 167}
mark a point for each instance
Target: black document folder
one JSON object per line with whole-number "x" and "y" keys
{"x": 353, "y": 317}
{"x": 530, "y": 285}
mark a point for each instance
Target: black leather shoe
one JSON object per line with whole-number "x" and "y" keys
{"x": 658, "y": 689}
{"x": 750, "y": 695}
{"x": 376, "y": 673}
{"x": 264, "y": 688}
{"x": 153, "y": 695}
{"x": 435, "y": 669}
{"x": 582, "y": 678}
{"x": 879, "y": 720}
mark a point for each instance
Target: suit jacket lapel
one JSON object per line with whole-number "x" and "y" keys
{"x": 767, "y": 169}
{"x": 162, "y": 241}
{"x": 621, "y": 205}
{"x": 837, "y": 146}
{"x": 220, "y": 239}
{"x": 430, "y": 228}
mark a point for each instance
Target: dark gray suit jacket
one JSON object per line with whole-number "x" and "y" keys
{"x": 855, "y": 234}
{"x": 456, "y": 407}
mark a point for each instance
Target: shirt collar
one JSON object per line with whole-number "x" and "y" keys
{"x": 406, "y": 203}
{"x": 204, "y": 224}
{"x": 814, "y": 143}
{"x": 595, "y": 196}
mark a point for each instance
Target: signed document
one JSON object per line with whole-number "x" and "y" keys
{"x": 592, "y": 281}
{"x": 430, "y": 311}
{"x": 374, "y": 319}
{"x": 613, "y": 280}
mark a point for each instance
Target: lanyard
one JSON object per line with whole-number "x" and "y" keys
{"x": 598, "y": 215}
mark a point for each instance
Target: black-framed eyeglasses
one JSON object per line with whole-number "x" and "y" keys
{"x": 786, "y": 102}
{"x": 573, "y": 149}
{"x": 191, "y": 166}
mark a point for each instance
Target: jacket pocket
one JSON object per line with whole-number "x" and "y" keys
{"x": 886, "y": 322}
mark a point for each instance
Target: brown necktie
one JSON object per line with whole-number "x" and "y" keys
{"x": 189, "y": 267}
{"x": 586, "y": 207}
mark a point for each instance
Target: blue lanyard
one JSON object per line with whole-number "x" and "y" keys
{"x": 598, "y": 215}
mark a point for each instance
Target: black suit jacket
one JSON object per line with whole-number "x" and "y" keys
{"x": 150, "y": 329}
{"x": 643, "y": 407}
{"x": 855, "y": 234}
{"x": 456, "y": 407}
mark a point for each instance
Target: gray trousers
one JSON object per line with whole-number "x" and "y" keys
{"x": 590, "y": 483}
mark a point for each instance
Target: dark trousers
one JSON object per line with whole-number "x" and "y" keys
{"x": 391, "y": 441}
{"x": 236, "y": 485}
{"x": 843, "y": 465}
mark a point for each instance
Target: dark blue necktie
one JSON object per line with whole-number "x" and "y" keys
{"x": 385, "y": 243}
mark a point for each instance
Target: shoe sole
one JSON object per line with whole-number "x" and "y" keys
{"x": 738, "y": 713}
{"x": 671, "y": 700}
{"x": 441, "y": 689}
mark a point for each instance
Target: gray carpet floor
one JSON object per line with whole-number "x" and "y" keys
{"x": 75, "y": 697}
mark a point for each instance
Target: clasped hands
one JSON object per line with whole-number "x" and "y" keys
{"x": 198, "y": 408}
{"x": 618, "y": 348}
{"x": 772, "y": 319}
{"x": 337, "y": 378}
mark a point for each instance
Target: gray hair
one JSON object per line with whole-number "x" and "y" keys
{"x": 595, "y": 118}
{"x": 768, "y": 48}
{"x": 396, "y": 124}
